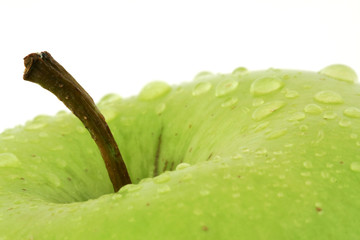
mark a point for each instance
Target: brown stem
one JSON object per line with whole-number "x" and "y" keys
{"x": 41, "y": 68}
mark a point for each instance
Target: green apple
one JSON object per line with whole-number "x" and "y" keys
{"x": 271, "y": 154}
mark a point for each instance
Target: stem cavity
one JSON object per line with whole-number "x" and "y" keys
{"x": 41, "y": 68}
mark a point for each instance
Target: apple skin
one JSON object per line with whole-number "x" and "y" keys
{"x": 269, "y": 154}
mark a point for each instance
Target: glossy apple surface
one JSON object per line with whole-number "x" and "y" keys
{"x": 269, "y": 154}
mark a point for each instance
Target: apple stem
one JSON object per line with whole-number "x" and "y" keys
{"x": 41, "y": 68}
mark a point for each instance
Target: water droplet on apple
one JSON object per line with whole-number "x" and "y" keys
{"x": 164, "y": 189}
{"x": 109, "y": 99}
{"x": 237, "y": 156}
{"x": 162, "y": 178}
{"x": 54, "y": 179}
{"x": 265, "y": 85}
{"x": 344, "y": 122}
{"x": 355, "y": 166}
{"x": 353, "y": 136}
{"x": 329, "y": 165}
{"x": 236, "y": 195}
{"x": 203, "y": 75}
{"x": 204, "y": 192}
{"x": 308, "y": 164}
{"x": 282, "y": 176}
{"x": 198, "y": 212}
{"x": 201, "y": 88}
{"x": 7, "y": 137}
{"x": 43, "y": 134}
{"x": 340, "y": 72}
{"x": 308, "y": 182}
{"x": 261, "y": 126}
{"x": 58, "y": 148}
{"x": 280, "y": 194}
{"x": 291, "y": 94}
{"x": 160, "y": 108}
{"x": 34, "y": 125}
{"x": 186, "y": 177}
{"x": 353, "y": 112}
{"x": 329, "y": 97}
{"x": 324, "y": 174}
{"x": 225, "y": 87}
{"x": 267, "y": 109}
{"x": 276, "y": 133}
{"x": 182, "y": 166}
{"x": 330, "y": 115}
{"x": 313, "y": 109}
{"x": 116, "y": 196}
{"x": 134, "y": 187}
{"x": 257, "y": 102}
{"x": 240, "y": 71}
{"x": 297, "y": 116}
{"x": 154, "y": 90}
{"x": 9, "y": 160}
{"x": 230, "y": 102}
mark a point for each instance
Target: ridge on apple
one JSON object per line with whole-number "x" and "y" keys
{"x": 271, "y": 154}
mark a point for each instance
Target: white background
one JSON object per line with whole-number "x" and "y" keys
{"x": 118, "y": 46}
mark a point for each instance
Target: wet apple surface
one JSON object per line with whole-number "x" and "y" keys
{"x": 271, "y": 154}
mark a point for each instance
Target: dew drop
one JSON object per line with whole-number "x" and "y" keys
{"x": 109, "y": 99}
{"x": 324, "y": 174}
{"x": 355, "y": 166}
{"x": 240, "y": 71}
{"x": 276, "y": 134}
{"x": 54, "y": 179}
{"x": 237, "y": 156}
{"x": 164, "y": 189}
{"x": 236, "y": 195}
{"x": 328, "y": 96}
{"x": 280, "y": 195}
{"x": 265, "y": 85}
{"x": 154, "y": 90}
{"x": 353, "y": 112}
{"x": 198, "y": 212}
{"x": 282, "y": 176}
{"x": 257, "y": 102}
{"x": 340, "y": 72}
{"x": 35, "y": 125}
{"x": 7, "y": 137}
{"x": 9, "y": 160}
{"x": 353, "y": 136}
{"x": 43, "y": 134}
{"x": 225, "y": 87}
{"x": 291, "y": 94}
{"x": 186, "y": 177}
{"x": 134, "y": 187}
{"x": 203, "y": 75}
{"x": 313, "y": 109}
{"x": 297, "y": 116}
{"x": 201, "y": 88}
{"x": 182, "y": 166}
{"x": 204, "y": 192}
{"x": 163, "y": 178}
{"x": 330, "y": 115}
{"x": 57, "y": 148}
{"x": 160, "y": 108}
{"x": 267, "y": 109}
{"x": 344, "y": 122}
{"x": 230, "y": 102}
{"x": 308, "y": 164}
{"x": 261, "y": 126}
